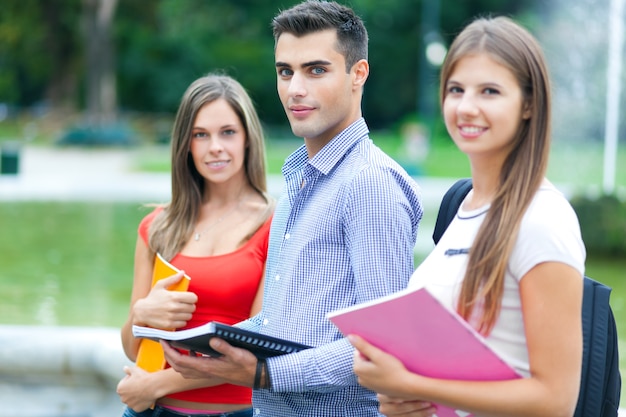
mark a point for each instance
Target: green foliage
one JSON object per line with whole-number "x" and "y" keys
{"x": 10, "y": 129}
{"x": 163, "y": 45}
{"x": 39, "y": 49}
{"x": 181, "y": 41}
{"x": 603, "y": 224}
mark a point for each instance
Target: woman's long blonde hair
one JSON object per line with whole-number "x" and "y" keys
{"x": 524, "y": 168}
{"x": 172, "y": 227}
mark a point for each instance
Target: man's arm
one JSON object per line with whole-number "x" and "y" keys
{"x": 380, "y": 225}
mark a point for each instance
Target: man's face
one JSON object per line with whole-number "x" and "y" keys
{"x": 319, "y": 97}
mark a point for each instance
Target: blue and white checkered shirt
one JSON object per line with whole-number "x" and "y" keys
{"x": 342, "y": 233}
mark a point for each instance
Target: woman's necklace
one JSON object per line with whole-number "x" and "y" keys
{"x": 198, "y": 235}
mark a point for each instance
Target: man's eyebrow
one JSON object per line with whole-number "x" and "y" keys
{"x": 316, "y": 63}
{"x": 304, "y": 65}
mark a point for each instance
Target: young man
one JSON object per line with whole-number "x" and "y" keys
{"x": 343, "y": 232}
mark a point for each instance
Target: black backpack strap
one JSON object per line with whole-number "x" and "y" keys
{"x": 450, "y": 203}
{"x": 600, "y": 382}
{"x": 613, "y": 380}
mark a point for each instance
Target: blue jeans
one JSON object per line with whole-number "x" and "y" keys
{"x": 166, "y": 412}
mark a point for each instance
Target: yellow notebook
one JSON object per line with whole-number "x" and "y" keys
{"x": 150, "y": 356}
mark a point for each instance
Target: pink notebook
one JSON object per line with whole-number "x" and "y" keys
{"x": 426, "y": 336}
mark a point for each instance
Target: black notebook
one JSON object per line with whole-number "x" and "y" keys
{"x": 197, "y": 339}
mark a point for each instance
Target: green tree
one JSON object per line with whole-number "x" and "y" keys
{"x": 167, "y": 45}
{"x": 39, "y": 52}
{"x": 158, "y": 47}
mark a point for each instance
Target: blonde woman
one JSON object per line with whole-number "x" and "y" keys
{"x": 215, "y": 229}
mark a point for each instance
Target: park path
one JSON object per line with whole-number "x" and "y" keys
{"x": 83, "y": 174}
{"x": 76, "y": 174}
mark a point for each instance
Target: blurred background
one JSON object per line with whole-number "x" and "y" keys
{"x": 111, "y": 72}
{"x": 88, "y": 93}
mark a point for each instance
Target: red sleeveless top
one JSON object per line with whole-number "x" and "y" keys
{"x": 226, "y": 286}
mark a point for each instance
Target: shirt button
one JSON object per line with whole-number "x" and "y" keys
{"x": 286, "y": 236}
{"x": 277, "y": 277}
{"x": 265, "y": 321}
{"x": 257, "y": 411}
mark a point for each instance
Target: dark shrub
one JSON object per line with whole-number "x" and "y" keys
{"x": 603, "y": 224}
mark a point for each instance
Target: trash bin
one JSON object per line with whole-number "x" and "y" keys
{"x": 9, "y": 158}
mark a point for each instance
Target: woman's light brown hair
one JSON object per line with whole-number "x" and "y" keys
{"x": 511, "y": 45}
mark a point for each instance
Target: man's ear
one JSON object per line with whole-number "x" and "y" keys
{"x": 360, "y": 72}
{"x": 527, "y": 111}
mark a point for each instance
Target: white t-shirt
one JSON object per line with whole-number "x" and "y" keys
{"x": 549, "y": 232}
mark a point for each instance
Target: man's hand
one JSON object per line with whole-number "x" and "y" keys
{"x": 236, "y": 366}
{"x": 392, "y": 407}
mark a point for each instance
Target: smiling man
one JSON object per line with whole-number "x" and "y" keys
{"x": 343, "y": 232}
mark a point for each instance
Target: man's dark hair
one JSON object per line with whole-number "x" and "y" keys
{"x": 317, "y": 15}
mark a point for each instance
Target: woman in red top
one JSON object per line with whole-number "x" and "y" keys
{"x": 215, "y": 229}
